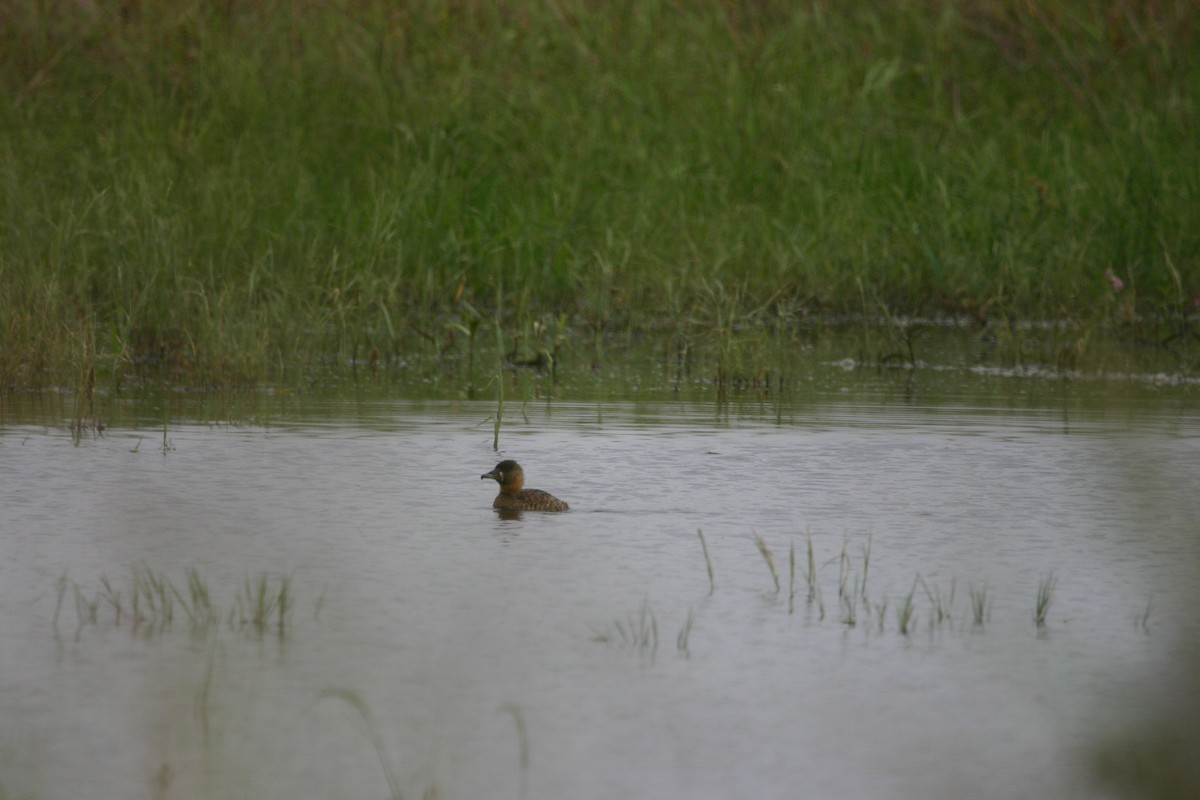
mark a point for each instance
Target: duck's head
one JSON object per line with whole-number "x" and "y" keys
{"x": 509, "y": 475}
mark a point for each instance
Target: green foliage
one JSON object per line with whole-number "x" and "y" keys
{"x": 218, "y": 193}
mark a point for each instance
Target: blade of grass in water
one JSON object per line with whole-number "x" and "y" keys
{"x": 712, "y": 586}
{"x": 769, "y": 558}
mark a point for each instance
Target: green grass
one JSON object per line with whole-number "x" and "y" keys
{"x": 152, "y": 599}
{"x": 370, "y": 729}
{"x": 906, "y": 610}
{"x": 792, "y": 576}
{"x": 810, "y": 577}
{"x": 768, "y": 557}
{"x": 233, "y": 194}
{"x": 712, "y": 585}
{"x": 941, "y": 606}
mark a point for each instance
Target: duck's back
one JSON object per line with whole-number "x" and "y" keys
{"x": 529, "y": 500}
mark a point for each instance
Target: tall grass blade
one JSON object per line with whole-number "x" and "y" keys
{"x": 371, "y": 731}
{"x": 522, "y": 744}
{"x": 770, "y": 559}
{"x": 685, "y": 631}
{"x": 1045, "y": 595}
{"x": 712, "y": 586}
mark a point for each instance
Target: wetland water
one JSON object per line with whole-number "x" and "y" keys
{"x": 549, "y": 656}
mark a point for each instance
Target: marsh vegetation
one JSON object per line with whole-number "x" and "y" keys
{"x": 247, "y": 194}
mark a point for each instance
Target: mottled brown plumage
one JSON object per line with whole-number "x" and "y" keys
{"x": 514, "y": 497}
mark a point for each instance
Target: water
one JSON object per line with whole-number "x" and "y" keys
{"x": 452, "y": 625}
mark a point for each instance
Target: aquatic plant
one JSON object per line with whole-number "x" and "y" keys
{"x": 712, "y": 586}
{"x": 152, "y": 599}
{"x": 843, "y": 570}
{"x": 260, "y": 602}
{"x": 940, "y": 607}
{"x": 637, "y": 631}
{"x": 156, "y": 591}
{"x": 61, "y": 584}
{"x": 685, "y": 631}
{"x": 980, "y": 603}
{"x": 85, "y": 609}
{"x": 112, "y": 596}
{"x": 522, "y": 743}
{"x": 810, "y": 576}
{"x": 881, "y": 613}
{"x": 198, "y": 605}
{"x": 767, "y": 557}
{"x": 904, "y": 613}
{"x": 371, "y": 731}
{"x": 1143, "y": 619}
{"x": 866, "y": 556}
{"x": 791, "y": 575}
{"x": 849, "y": 604}
{"x": 1045, "y": 594}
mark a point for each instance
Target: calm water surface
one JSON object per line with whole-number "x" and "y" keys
{"x": 452, "y": 625}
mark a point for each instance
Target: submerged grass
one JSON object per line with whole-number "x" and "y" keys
{"x": 1143, "y": 619}
{"x": 941, "y": 606}
{"x": 712, "y": 586}
{"x": 854, "y": 603}
{"x": 371, "y": 731}
{"x": 769, "y": 558}
{"x": 232, "y": 194}
{"x": 1045, "y": 595}
{"x": 792, "y": 576}
{"x": 638, "y": 632}
{"x": 810, "y": 577}
{"x": 981, "y": 604}
{"x": 153, "y": 599}
{"x": 518, "y": 716}
{"x": 685, "y": 633}
{"x": 905, "y": 611}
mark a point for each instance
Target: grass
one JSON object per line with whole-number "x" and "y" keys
{"x": 855, "y": 605}
{"x": 905, "y": 611}
{"x": 849, "y": 602}
{"x": 981, "y": 604}
{"x": 810, "y": 577}
{"x": 239, "y": 194}
{"x": 769, "y": 558}
{"x": 941, "y": 606}
{"x": 518, "y": 716}
{"x": 1045, "y": 595}
{"x": 866, "y": 559}
{"x": 712, "y": 585}
{"x": 499, "y": 394}
{"x": 791, "y": 576}
{"x": 639, "y": 632}
{"x": 371, "y": 731}
{"x": 151, "y": 600}
{"x": 261, "y": 604}
{"x": 1143, "y": 619}
{"x": 685, "y": 633}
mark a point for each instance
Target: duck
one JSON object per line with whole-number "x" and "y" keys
{"x": 514, "y": 497}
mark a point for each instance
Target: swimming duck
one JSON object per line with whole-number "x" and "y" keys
{"x": 513, "y": 497}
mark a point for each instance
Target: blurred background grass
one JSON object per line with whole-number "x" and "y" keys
{"x": 212, "y": 192}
